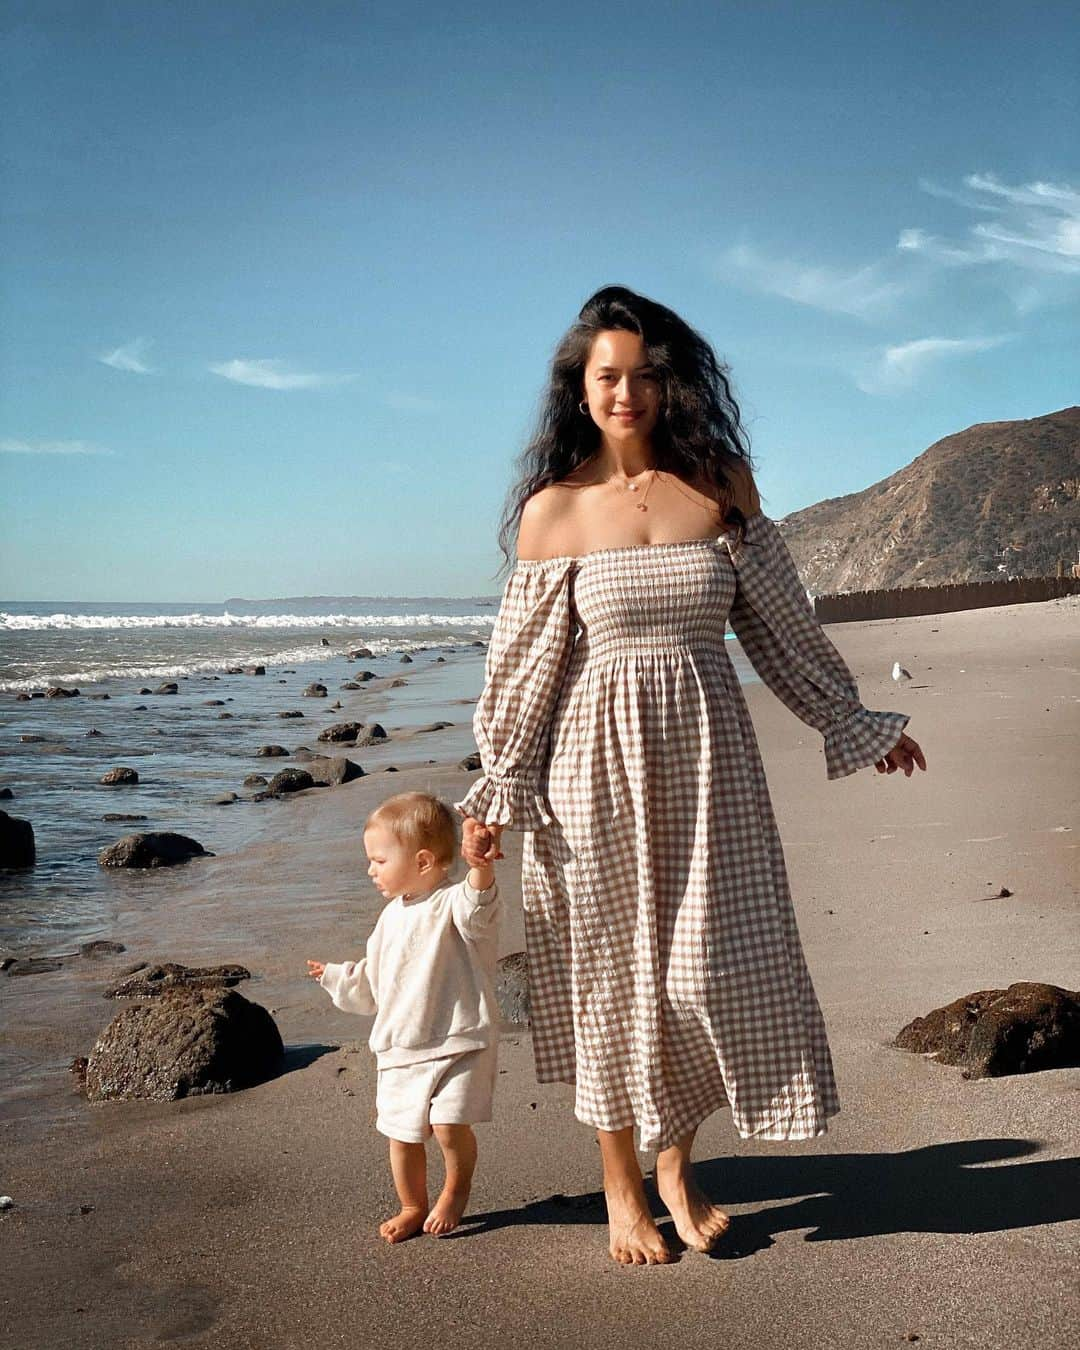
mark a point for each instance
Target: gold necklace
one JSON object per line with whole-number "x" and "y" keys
{"x": 633, "y": 487}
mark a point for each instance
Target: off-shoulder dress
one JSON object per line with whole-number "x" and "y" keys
{"x": 666, "y": 969}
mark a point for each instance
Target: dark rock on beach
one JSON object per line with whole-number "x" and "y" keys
{"x": 512, "y": 989}
{"x": 470, "y": 763}
{"x": 122, "y": 816}
{"x": 341, "y": 732}
{"x": 22, "y": 698}
{"x": 99, "y": 697}
{"x": 151, "y": 850}
{"x": 101, "y": 947}
{"x": 362, "y": 676}
{"x": 214, "y": 703}
{"x": 6, "y": 794}
{"x": 16, "y": 842}
{"x": 32, "y": 738}
{"x": 330, "y": 771}
{"x": 143, "y": 692}
{"x": 167, "y": 976}
{"x": 398, "y": 684}
{"x": 315, "y": 691}
{"x": 293, "y": 712}
{"x": 93, "y": 732}
{"x": 226, "y": 799}
{"x": 435, "y": 726}
{"x": 271, "y": 751}
{"x": 290, "y": 780}
{"x": 186, "y": 1044}
{"x": 405, "y": 659}
{"x": 32, "y": 965}
{"x": 359, "y": 653}
{"x": 120, "y": 776}
{"x": 349, "y": 684}
{"x": 1022, "y": 1029}
{"x": 254, "y": 670}
{"x": 169, "y": 687}
{"x": 55, "y": 691}
{"x": 254, "y": 780}
{"x": 234, "y": 670}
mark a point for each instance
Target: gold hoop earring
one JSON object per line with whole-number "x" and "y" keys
{"x": 583, "y": 408}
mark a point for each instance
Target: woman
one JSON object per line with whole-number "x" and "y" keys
{"x": 667, "y": 974}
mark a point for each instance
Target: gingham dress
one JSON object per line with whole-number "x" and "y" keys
{"x": 666, "y": 971}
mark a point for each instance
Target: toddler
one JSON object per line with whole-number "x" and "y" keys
{"x": 428, "y": 976}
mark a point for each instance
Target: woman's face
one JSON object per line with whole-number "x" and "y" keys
{"x": 621, "y": 387}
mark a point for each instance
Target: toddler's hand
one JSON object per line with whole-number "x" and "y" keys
{"x": 315, "y": 969}
{"x": 480, "y": 843}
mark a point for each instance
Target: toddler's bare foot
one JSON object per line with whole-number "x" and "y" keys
{"x": 698, "y": 1221}
{"x": 448, "y": 1210}
{"x": 634, "y": 1239}
{"x": 403, "y": 1225}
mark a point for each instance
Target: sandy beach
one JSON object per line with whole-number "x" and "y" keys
{"x": 936, "y": 1210}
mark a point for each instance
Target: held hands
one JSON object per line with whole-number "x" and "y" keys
{"x": 480, "y": 843}
{"x": 905, "y": 754}
{"x": 315, "y": 969}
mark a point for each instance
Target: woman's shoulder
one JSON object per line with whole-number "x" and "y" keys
{"x": 741, "y": 491}
{"x": 542, "y": 529}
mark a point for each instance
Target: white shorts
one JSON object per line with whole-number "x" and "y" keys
{"x": 454, "y": 1090}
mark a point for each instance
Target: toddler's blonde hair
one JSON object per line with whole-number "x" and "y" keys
{"x": 419, "y": 820}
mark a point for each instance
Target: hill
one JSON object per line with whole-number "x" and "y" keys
{"x": 999, "y": 499}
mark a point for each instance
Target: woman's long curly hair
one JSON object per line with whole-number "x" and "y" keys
{"x": 698, "y": 435}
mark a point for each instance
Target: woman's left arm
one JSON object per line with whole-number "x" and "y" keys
{"x": 776, "y": 627}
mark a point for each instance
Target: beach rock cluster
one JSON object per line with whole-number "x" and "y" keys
{"x": 354, "y": 733}
{"x": 182, "y": 1044}
{"x": 993, "y": 1032}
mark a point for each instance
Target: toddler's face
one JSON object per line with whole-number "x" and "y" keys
{"x": 391, "y": 866}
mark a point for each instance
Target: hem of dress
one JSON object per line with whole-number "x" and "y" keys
{"x": 778, "y": 1130}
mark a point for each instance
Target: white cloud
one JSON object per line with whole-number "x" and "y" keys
{"x": 861, "y": 291}
{"x": 129, "y": 357}
{"x": 899, "y": 368}
{"x": 10, "y": 447}
{"x": 266, "y": 374}
{"x": 1036, "y": 229}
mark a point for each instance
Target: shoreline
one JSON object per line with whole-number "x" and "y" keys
{"x": 233, "y": 1221}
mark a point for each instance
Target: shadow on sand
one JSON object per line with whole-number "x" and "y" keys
{"x": 942, "y": 1188}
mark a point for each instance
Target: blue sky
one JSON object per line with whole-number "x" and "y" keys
{"x": 281, "y": 281}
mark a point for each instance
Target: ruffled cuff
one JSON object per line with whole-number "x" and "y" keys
{"x": 513, "y": 802}
{"x": 861, "y": 738}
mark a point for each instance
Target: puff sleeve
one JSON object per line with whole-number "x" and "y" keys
{"x": 776, "y": 627}
{"x": 526, "y": 662}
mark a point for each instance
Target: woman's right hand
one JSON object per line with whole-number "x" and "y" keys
{"x": 480, "y": 843}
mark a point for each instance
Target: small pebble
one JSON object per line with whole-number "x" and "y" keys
{"x": 6, "y": 1202}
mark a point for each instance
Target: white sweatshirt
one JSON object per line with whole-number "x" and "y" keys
{"x": 428, "y": 975}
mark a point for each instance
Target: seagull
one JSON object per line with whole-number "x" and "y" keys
{"x": 899, "y": 673}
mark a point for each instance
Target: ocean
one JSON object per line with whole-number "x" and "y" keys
{"x": 193, "y": 746}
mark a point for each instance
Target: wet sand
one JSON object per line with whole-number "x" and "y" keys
{"x": 934, "y": 1208}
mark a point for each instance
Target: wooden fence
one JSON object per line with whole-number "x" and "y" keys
{"x": 907, "y": 600}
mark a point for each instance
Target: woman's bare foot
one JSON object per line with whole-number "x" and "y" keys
{"x": 403, "y": 1225}
{"x": 698, "y": 1221}
{"x": 446, "y": 1215}
{"x": 634, "y": 1238}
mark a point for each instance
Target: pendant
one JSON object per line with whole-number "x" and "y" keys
{"x": 632, "y": 487}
